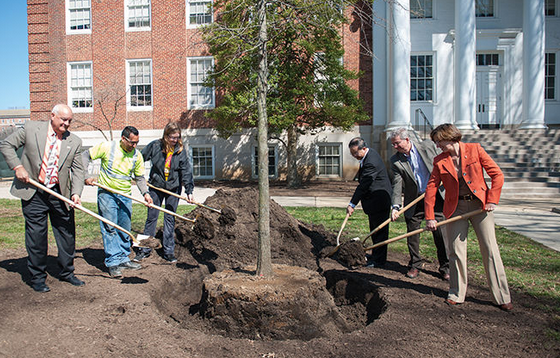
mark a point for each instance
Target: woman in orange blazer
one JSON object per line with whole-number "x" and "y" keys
{"x": 460, "y": 169}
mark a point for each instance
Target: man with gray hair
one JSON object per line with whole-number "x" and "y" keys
{"x": 51, "y": 156}
{"x": 410, "y": 168}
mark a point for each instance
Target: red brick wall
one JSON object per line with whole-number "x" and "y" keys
{"x": 109, "y": 46}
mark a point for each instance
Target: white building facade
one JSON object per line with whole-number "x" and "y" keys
{"x": 475, "y": 63}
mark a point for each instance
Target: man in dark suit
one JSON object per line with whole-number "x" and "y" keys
{"x": 51, "y": 156}
{"x": 374, "y": 192}
{"x": 410, "y": 168}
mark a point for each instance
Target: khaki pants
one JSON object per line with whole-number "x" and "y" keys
{"x": 483, "y": 225}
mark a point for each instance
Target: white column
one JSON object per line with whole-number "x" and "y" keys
{"x": 465, "y": 64}
{"x": 533, "y": 64}
{"x": 399, "y": 65}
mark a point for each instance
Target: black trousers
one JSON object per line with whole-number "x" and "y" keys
{"x": 171, "y": 203}
{"x": 413, "y": 223}
{"x": 36, "y": 212}
{"x": 378, "y": 209}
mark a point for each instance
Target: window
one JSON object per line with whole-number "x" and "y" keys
{"x": 550, "y": 7}
{"x": 139, "y": 84}
{"x": 200, "y": 96}
{"x": 488, "y": 59}
{"x": 420, "y": 9}
{"x": 202, "y": 162}
{"x": 421, "y": 78}
{"x": 329, "y": 160}
{"x": 272, "y": 162}
{"x": 80, "y": 83}
{"x": 549, "y": 76}
{"x": 199, "y": 12}
{"x": 78, "y": 16}
{"x": 138, "y": 14}
{"x": 484, "y": 8}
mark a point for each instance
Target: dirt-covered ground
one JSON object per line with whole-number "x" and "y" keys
{"x": 159, "y": 311}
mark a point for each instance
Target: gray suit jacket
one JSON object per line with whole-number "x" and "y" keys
{"x": 403, "y": 177}
{"x": 33, "y": 138}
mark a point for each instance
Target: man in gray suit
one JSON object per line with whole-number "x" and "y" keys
{"x": 51, "y": 156}
{"x": 410, "y": 168}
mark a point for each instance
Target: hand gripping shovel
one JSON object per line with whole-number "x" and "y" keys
{"x": 141, "y": 241}
{"x": 441, "y": 223}
{"x": 184, "y": 198}
{"x": 143, "y": 202}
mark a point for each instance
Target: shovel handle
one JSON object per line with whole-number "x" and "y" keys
{"x": 143, "y": 202}
{"x": 87, "y": 211}
{"x": 342, "y": 228}
{"x": 184, "y": 198}
{"x": 383, "y": 224}
{"x": 441, "y": 223}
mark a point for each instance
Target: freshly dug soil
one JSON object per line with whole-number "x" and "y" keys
{"x": 158, "y": 311}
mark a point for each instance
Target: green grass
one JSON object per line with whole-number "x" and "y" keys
{"x": 530, "y": 267}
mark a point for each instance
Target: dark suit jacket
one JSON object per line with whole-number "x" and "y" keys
{"x": 33, "y": 137}
{"x": 403, "y": 176}
{"x": 374, "y": 180}
{"x": 473, "y": 160}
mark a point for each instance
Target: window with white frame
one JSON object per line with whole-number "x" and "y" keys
{"x": 202, "y": 161}
{"x": 138, "y": 14}
{"x": 550, "y": 7}
{"x": 421, "y": 9}
{"x": 80, "y": 83}
{"x": 78, "y": 16}
{"x": 329, "y": 159}
{"x": 421, "y": 78}
{"x": 487, "y": 59}
{"x": 484, "y": 8}
{"x": 199, "y": 96}
{"x": 272, "y": 162}
{"x": 550, "y": 76}
{"x": 139, "y": 76}
{"x": 199, "y": 12}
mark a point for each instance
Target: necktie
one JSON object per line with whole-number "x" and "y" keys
{"x": 51, "y": 171}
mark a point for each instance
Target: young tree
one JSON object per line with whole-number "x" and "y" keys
{"x": 307, "y": 81}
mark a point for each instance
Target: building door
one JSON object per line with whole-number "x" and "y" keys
{"x": 488, "y": 93}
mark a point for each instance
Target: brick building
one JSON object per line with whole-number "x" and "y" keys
{"x": 146, "y": 59}
{"x": 476, "y": 63}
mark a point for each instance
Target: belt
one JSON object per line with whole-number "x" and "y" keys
{"x": 469, "y": 197}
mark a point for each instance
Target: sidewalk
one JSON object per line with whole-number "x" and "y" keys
{"x": 533, "y": 218}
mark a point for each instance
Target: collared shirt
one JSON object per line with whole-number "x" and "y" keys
{"x": 419, "y": 168}
{"x": 52, "y": 173}
{"x": 361, "y": 164}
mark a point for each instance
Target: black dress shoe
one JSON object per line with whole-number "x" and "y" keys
{"x": 73, "y": 280}
{"x": 40, "y": 287}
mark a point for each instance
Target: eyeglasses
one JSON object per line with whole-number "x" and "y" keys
{"x": 131, "y": 142}
{"x": 175, "y": 137}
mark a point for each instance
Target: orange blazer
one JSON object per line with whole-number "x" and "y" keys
{"x": 473, "y": 160}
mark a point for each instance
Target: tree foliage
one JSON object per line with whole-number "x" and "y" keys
{"x": 307, "y": 81}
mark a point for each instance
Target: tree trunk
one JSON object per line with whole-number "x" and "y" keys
{"x": 264, "y": 260}
{"x": 293, "y": 177}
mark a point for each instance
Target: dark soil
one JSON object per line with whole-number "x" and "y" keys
{"x": 162, "y": 310}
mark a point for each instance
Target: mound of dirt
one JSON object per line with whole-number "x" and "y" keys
{"x": 229, "y": 240}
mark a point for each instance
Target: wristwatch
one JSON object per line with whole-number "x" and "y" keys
{"x": 396, "y": 207}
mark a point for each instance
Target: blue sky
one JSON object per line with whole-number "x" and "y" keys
{"x": 14, "y": 64}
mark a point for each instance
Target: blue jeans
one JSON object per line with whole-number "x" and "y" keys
{"x": 117, "y": 209}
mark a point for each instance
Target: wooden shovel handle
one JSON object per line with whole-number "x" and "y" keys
{"x": 87, "y": 211}
{"x": 342, "y": 228}
{"x": 383, "y": 224}
{"x": 441, "y": 223}
{"x": 143, "y": 202}
{"x": 184, "y": 198}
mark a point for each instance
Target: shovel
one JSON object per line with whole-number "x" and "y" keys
{"x": 338, "y": 236}
{"x": 143, "y": 202}
{"x": 383, "y": 224}
{"x": 141, "y": 241}
{"x": 441, "y": 223}
{"x": 184, "y": 198}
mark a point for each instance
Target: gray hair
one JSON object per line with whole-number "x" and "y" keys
{"x": 402, "y": 133}
{"x": 58, "y": 107}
